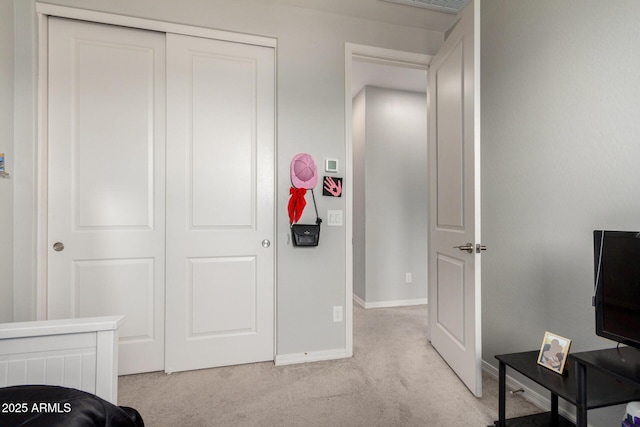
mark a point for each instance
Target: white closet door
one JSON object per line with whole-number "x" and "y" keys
{"x": 106, "y": 186}
{"x": 220, "y": 218}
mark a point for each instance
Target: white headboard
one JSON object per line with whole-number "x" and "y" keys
{"x": 76, "y": 353}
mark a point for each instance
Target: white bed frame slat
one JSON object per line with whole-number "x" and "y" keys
{"x": 77, "y": 353}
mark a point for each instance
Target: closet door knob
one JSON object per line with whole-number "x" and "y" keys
{"x": 58, "y": 246}
{"x": 266, "y": 243}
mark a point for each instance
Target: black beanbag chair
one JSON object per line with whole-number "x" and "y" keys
{"x": 52, "y": 406}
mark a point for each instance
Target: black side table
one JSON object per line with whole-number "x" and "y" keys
{"x": 604, "y": 389}
{"x": 621, "y": 365}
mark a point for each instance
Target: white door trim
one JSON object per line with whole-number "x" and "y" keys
{"x": 43, "y": 11}
{"x": 381, "y": 56}
{"x": 149, "y": 24}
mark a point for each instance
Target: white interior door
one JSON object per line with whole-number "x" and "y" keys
{"x": 106, "y": 191}
{"x": 454, "y": 152}
{"x": 220, "y": 219}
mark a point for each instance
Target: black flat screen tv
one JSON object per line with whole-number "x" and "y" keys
{"x": 617, "y": 296}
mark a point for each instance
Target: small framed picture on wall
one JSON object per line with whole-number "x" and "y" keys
{"x": 332, "y": 186}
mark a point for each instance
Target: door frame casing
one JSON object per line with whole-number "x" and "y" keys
{"x": 44, "y": 11}
{"x": 382, "y": 56}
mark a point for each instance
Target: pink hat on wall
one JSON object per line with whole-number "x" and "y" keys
{"x": 304, "y": 172}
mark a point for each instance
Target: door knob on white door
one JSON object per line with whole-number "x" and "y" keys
{"x": 468, "y": 247}
{"x": 266, "y": 243}
{"x": 58, "y": 246}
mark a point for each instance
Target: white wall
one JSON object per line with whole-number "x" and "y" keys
{"x": 310, "y": 93}
{"x": 394, "y": 179}
{"x": 560, "y": 155}
{"x": 6, "y": 147}
{"x": 24, "y": 162}
{"x": 358, "y": 126}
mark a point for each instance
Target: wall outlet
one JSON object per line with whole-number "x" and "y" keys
{"x": 337, "y": 313}
{"x": 408, "y": 278}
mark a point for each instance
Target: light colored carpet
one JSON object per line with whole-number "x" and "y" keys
{"x": 394, "y": 379}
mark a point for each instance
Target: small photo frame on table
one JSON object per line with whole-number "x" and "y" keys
{"x": 554, "y": 352}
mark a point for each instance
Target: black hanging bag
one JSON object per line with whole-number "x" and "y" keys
{"x": 307, "y": 234}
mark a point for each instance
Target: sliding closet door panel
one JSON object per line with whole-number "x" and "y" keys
{"x": 223, "y": 142}
{"x": 106, "y": 194}
{"x": 220, "y": 147}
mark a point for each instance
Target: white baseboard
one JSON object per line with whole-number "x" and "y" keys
{"x": 359, "y": 301}
{"x": 384, "y": 304}
{"x": 311, "y": 356}
{"x": 529, "y": 394}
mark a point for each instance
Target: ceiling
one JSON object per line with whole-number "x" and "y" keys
{"x": 435, "y": 15}
{"x": 399, "y": 78}
{"x": 384, "y": 11}
{"x": 450, "y": 6}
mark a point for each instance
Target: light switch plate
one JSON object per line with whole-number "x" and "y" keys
{"x": 334, "y": 218}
